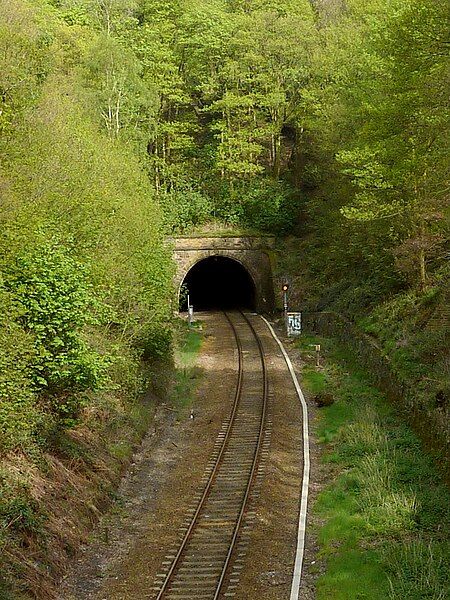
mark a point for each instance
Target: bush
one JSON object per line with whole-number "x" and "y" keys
{"x": 56, "y": 301}
{"x": 265, "y": 207}
{"x": 185, "y": 209}
{"x": 18, "y": 510}
{"x": 157, "y": 342}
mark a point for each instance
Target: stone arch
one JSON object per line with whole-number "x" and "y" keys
{"x": 219, "y": 280}
{"x": 182, "y": 275}
{"x": 252, "y": 253}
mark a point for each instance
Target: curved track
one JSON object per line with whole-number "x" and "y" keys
{"x": 200, "y": 566}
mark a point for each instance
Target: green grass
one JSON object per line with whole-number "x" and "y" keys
{"x": 419, "y": 570}
{"x": 187, "y": 374}
{"x": 385, "y": 511}
{"x": 121, "y": 450}
{"x": 353, "y": 575}
{"x": 315, "y": 381}
{"x": 189, "y": 347}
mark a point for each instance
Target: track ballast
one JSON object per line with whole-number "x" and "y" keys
{"x": 201, "y": 565}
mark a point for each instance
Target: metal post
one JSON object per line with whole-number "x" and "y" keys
{"x": 285, "y": 305}
{"x": 317, "y": 355}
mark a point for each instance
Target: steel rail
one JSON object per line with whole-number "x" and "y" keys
{"x": 165, "y": 586}
{"x": 255, "y": 460}
{"x": 188, "y": 534}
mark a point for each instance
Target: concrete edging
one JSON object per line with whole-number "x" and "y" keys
{"x": 296, "y": 579}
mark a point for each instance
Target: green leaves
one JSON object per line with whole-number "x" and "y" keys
{"x": 84, "y": 274}
{"x": 376, "y": 111}
{"x": 20, "y": 417}
{"x": 56, "y": 298}
{"x": 184, "y": 209}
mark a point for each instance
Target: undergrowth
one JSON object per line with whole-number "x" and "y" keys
{"x": 413, "y": 329}
{"x": 52, "y": 492}
{"x": 385, "y": 512}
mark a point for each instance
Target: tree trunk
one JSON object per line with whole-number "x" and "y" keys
{"x": 422, "y": 257}
{"x": 117, "y": 113}
{"x": 277, "y": 162}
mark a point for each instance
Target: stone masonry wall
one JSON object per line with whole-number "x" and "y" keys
{"x": 254, "y": 253}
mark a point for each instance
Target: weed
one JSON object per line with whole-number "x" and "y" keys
{"x": 418, "y": 571}
{"x": 186, "y": 374}
{"x": 189, "y": 347}
{"x": 121, "y": 450}
{"x": 185, "y": 383}
{"x": 315, "y": 381}
{"x": 5, "y": 591}
{"x": 18, "y": 509}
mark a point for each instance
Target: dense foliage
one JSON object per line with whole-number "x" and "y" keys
{"x": 85, "y": 286}
{"x": 324, "y": 118}
{"x": 122, "y": 121}
{"x": 378, "y": 211}
{"x": 273, "y": 115}
{"x": 377, "y": 121}
{"x": 84, "y": 277}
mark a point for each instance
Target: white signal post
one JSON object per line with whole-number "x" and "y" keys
{"x": 190, "y": 311}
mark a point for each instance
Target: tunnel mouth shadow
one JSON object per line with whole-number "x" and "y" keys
{"x": 218, "y": 283}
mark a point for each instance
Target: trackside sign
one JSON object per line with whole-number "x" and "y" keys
{"x": 294, "y": 323}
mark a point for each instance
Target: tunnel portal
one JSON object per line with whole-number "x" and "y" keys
{"x": 218, "y": 283}
{"x": 251, "y": 260}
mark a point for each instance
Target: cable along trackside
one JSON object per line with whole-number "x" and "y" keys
{"x": 199, "y": 566}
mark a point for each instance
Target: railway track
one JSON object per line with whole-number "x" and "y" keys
{"x": 208, "y": 558}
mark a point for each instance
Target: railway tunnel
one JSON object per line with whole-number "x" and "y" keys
{"x": 218, "y": 283}
{"x": 224, "y": 272}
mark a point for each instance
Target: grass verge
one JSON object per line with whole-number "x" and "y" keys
{"x": 187, "y": 374}
{"x": 384, "y": 513}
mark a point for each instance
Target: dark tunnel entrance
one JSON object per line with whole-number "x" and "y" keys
{"x": 218, "y": 283}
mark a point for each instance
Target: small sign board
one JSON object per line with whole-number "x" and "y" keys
{"x": 294, "y": 323}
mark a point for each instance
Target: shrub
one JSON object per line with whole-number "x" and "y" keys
{"x": 18, "y": 510}
{"x": 54, "y": 302}
{"x": 185, "y": 209}
{"x": 265, "y": 207}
